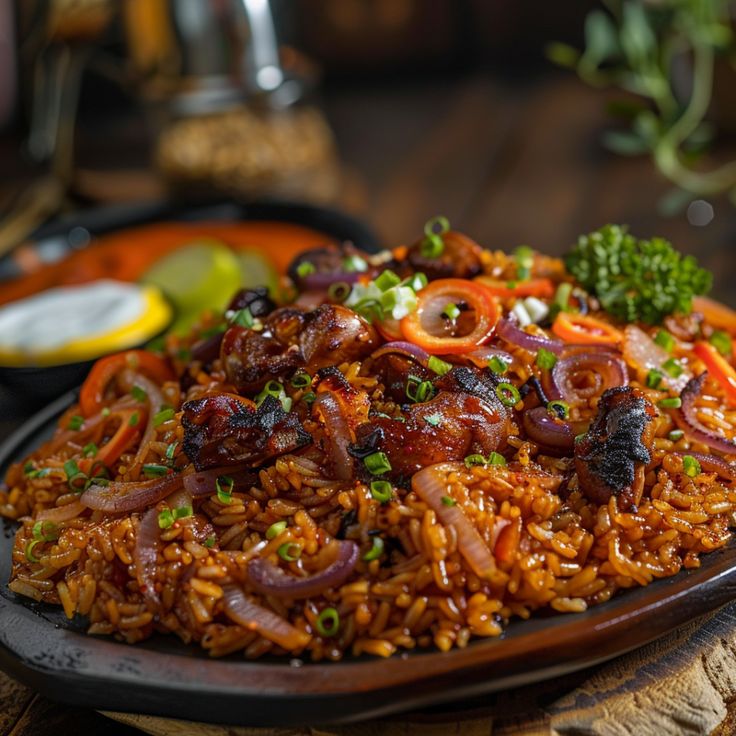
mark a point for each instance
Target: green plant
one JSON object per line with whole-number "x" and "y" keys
{"x": 636, "y": 45}
{"x": 636, "y": 279}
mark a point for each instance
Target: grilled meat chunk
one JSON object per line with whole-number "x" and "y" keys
{"x": 611, "y": 457}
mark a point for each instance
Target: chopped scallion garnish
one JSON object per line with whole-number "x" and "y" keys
{"x": 559, "y": 409}
{"x": 438, "y": 366}
{"x": 498, "y": 365}
{"x": 673, "y": 368}
{"x": 375, "y": 551}
{"x": 354, "y": 264}
{"x": 29, "y": 550}
{"x": 665, "y": 340}
{"x": 722, "y": 342}
{"x": 433, "y": 245}
{"x": 138, "y": 394}
{"x": 275, "y": 529}
{"x": 524, "y": 257}
{"x": 224, "y": 486}
{"x": 433, "y": 420}
{"x": 165, "y": 519}
{"x": 305, "y": 268}
{"x": 328, "y": 622}
{"x": 451, "y": 311}
{"x": 675, "y": 435}
{"x": 45, "y": 531}
{"x": 76, "y": 423}
{"x": 377, "y": 463}
{"x": 289, "y": 551}
{"x": 210, "y": 541}
{"x": 508, "y": 394}
{"x": 387, "y": 280}
{"x": 671, "y": 403}
{"x": 301, "y": 380}
{"x": 546, "y": 359}
{"x": 162, "y": 416}
{"x": 447, "y": 501}
{"x": 134, "y": 419}
{"x": 691, "y": 466}
{"x": 382, "y": 491}
{"x": 243, "y": 318}
{"x": 153, "y": 470}
{"x": 339, "y": 291}
{"x": 654, "y": 378}
{"x": 90, "y": 450}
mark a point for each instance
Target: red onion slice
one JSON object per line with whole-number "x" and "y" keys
{"x": 714, "y": 464}
{"x": 145, "y": 555}
{"x": 551, "y": 432}
{"x": 608, "y": 369}
{"x": 267, "y": 578}
{"x": 268, "y": 624}
{"x": 338, "y": 435}
{"x": 430, "y": 484}
{"x": 61, "y": 513}
{"x": 204, "y": 482}
{"x": 510, "y": 331}
{"x": 688, "y": 422}
{"x": 408, "y": 349}
{"x": 122, "y": 497}
{"x": 482, "y": 355}
{"x": 156, "y": 402}
{"x": 643, "y": 354}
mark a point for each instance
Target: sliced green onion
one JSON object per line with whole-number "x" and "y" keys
{"x": 382, "y": 491}
{"x": 524, "y": 256}
{"x": 691, "y": 466}
{"x": 138, "y": 394}
{"x": 275, "y": 529}
{"x": 29, "y": 550}
{"x": 438, "y": 366}
{"x": 243, "y": 318}
{"x": 170, "y": 450}
{"x": 45, "y": 531}
{"x": 433, "y": 245}
{"x": 665, "y": 340}
{"x": 416, "y": 282}
{"x": 305, "y": 268}
{"x": 28, "y": 468}
{"x": 71, "y": 468}
{"x": 496, "y": 458}
{"x": 339, "y": 291}
{"x": 224, "y": 486}
{"x": 654, "y": 378}
{"x": 183, "y": 512}
{"x": 354, "y": 264}
{"x": 79, "y": 482}
{"x": 162, "y": 416}
{"x": 301, "y": 380}
{"x": 673, "y": 368}
{"x": 76, "y": 422}
{"x": 375, "y": 551}
{"x": 433, "y": 420}
{"x": 134, "y": 419}
{"x": 722, "y": 342}
{"x": 212, "y": 331}
{"x": 275, "y": 389}
{"x": 90, "y": 450}
{"x": 498, "y": 365}
{"x": 289, "y": 551}
{"x": 546, "y": 359}
{"x": 153, "y": 470}
{"x": 309, "y": 397}
{"x": 419, "y": 392}
{"x": 562, "y": 297}
{"x": 560, "y": 409}
{"x": 105, "y": 411}
{"x": 508, "y": 394}
{"x": 451, "y": 311}
{"x": 672, "y": 403}
{"x": 165, "y": 519}
{"x": 387, "y": 280}
{"x": 447, "y": 501}
{"x": 472, "y": 460}
{"x": 328, "y": 622}
{"x": 210, "y": 541}
{"x": 675, "y": 435}
{"x": 377, "y": 463}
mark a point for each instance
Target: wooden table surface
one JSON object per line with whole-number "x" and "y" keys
{"x": 509, "y": 163}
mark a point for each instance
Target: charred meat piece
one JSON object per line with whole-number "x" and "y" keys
{"x": 474, "y": 381}
{"x": 460, "y": 258}
{"x": 447, "y": 428}
{"x": 223, "y": 430}
{"x": 394, "y": 372}
{"x": 293, "y": 339}
{"x": 611, "y": 458}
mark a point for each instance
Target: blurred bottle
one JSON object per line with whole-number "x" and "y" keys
{"x": 231, "y": 104}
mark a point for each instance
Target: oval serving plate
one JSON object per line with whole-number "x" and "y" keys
{"x": 166, "y": 678}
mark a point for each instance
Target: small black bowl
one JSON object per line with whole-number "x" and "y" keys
{"x": 55, "y": 240}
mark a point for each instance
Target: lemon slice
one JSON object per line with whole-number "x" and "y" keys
{"x": 199, "y": 276}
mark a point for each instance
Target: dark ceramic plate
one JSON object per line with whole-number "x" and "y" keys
{"x": 52, "y": 242}
{"x": 163, "y": 677}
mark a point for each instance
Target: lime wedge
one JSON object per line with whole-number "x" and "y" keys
{"x": 256, "y": 270}
{"x": 202, "y": 275}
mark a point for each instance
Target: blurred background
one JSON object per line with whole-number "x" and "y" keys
{"x": 391, "y": 110}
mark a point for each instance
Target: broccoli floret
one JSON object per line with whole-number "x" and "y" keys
{"x": 636, "y": 280}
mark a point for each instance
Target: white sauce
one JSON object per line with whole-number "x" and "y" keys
{"x": 59, "y": 316}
